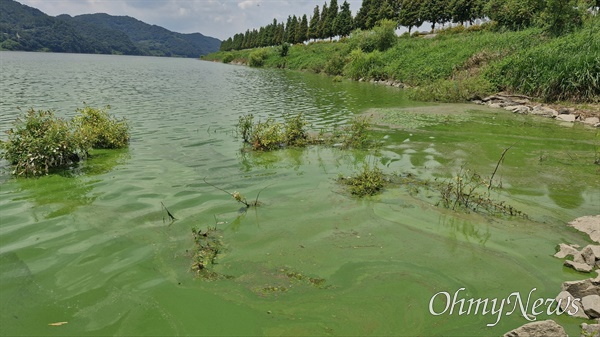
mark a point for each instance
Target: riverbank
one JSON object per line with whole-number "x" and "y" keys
{"x": 455, "y": 65}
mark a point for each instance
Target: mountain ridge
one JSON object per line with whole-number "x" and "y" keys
{"x": 26, "y": 28}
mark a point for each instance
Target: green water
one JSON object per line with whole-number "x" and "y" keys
{"x": 93, "y": 247}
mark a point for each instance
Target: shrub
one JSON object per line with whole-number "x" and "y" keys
{"x": 369, "y": 181}
{"x": 284, "y": 49}
{"x": 228, "y": 57}
{"x": 356, "y": 135}
{"x": 382, "y": 37}
{"x": 335, "y": 65}
{"x": 257, "y": 58}
{"x": 457, "y": 90}
{"x": 267, "y": 135}
{"x": 100, "y": 129}
{"x": 245, "y": 127}
{"x": 41, "y": 141}
{"x": 365, "y": 65}
{"x": 295, "y": 133}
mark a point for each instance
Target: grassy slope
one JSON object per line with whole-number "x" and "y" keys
{"x": 458, "y": 65}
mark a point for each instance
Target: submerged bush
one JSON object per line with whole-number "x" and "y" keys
{"x": 295, "y": 133}
{"x": 100, "y": 129}
{"x": 357, "y": 135}
{"x": 369, "y": 181}
{"x": 41, "y": 141}
{"x": 267, "y": 135}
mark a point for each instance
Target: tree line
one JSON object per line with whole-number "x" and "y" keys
{"x": 331, "y": 20}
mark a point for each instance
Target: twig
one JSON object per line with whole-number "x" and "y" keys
{"x": 498, "y": 164}
{"x": 168, "y": 213}
{"x": 243, "y": 201}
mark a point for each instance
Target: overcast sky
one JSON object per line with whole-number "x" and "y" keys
{"x": 216, "y": 18}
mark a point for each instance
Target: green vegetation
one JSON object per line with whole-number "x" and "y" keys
{"x": 40, "y": 141}
{"x": 207, "y": 245}
{"x": 369, "y": 181}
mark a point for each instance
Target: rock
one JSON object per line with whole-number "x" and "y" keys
{"x": 590, "y": 330}
{"x": 538, "y": 329}
{"x": 494, "y": 105}
{"x": 566, "y": 301}
{"x": 520, "y": 109}
{"x": 566, "y": 118}
{"x": 592, "y": 120}
{"x": 589, "y": 225}
{"x": 582, "y": 267}
{"x": 582, "y": 288}
{"x": 565, "y": 250}
{"x": 590, "y": 254}
{"x": 477, "y": 101}
{"x": 566, "y": 111}
{"x": 591, "y": 305}
{"x": 543, "y": 111}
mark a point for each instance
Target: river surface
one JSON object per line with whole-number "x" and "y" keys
{"x": 93, "y": 247}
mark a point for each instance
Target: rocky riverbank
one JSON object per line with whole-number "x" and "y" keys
{"x": 585, "y": 294}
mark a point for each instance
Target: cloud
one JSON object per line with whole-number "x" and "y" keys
{"x": 248, "y": 3}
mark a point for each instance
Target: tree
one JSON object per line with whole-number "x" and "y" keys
{"x": 343, "y": 23}
{"x": 513, "y": 14}
{"x": 435, "y": 11}
{"x": 302, "y": 30}
{"x": 360, "y": 20}
{"x": 410, "y": 14}
{"x": 332, "y": 14}
{"x": 313, "y": 27}
{"x": 324, "y": 22}
{"x": 560, "y": 16}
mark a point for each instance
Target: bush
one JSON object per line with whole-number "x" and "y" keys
{"x": 41, "y": 141}
{"x": 295, "y": 133}
{"x": 369, "y": 181}
{"x": 335, "y": 65}
{"x": 365, "y": 65}
{"x": 267, "y": 136}
{"x": 356, "y": 134}
{"x": 382, "y": 37}
{"x": 100, "y": 129}
{"x": 257, "y": 58}
{"x": 457, "y": 90}
{"x": 284, "y": 49}
{"x": 228, "y": 57}
{"x": 245, "y": 126}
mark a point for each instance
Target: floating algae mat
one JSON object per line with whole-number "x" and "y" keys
{"x": 91, "y": 248}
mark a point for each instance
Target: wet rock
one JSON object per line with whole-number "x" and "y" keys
{"x": 591, "y": 305}
{"x": 589, "y": 225}
{"x": 582, "y": 288}
{"x": 582, "y": 267}
{"x": 567, "y": 301}
{"x": 565, "y": 250}
{"x": 588, "y": 330}
{"x": 538, "y": 329}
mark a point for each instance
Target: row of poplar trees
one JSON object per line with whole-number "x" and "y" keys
{"x": 330, "y": 20}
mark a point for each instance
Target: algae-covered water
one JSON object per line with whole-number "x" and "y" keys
{"x": 93, "y": 247}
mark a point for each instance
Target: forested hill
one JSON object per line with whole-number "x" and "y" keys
{"x": 28, "y": 29}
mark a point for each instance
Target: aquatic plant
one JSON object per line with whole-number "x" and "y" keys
{"x": 295, "y": 130}
{"x": 100, "y": 129}
{"x": 207, "y": 245}
{"x": 41, "y": 141}
{"x": 369, "y": 181}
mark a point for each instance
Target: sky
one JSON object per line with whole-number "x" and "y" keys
{"x": 217, "y": 18}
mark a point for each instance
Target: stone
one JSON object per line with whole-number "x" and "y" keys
{"x": 538, "y": 329}
{"x": 566, "y": 118}
{"x": 565, "y": 250}
{"x": 494, "y": 105}
{"x": 544, "y": 111}
{"x": 591, "y": 120}
{"x": 520, "y": 109}
{"x": 582, "y": 267}
{"x": 567, "y": 301}
{"x": 591, "y": 305}
{"x": 590, "y": 254}
{"x": 590, "y": 330}
{"x": 582, "y": 288}
{"x": 589, "y": 225}
{"x": 490, "y": 98}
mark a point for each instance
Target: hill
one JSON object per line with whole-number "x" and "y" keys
{"x": 28, "y": 29}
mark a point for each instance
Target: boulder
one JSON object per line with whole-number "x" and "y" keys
{"x": 520, "y": 109}
{"x": 591, "y": 305}
{"x": 589, "y": 225}
{"x": 543, "y": 111}
{"x": 566, "y": 118}
{"x": 590, "y": 254}
{"x": 494, "y": 105}
{"x": 538, "y": 329}
{"x": 590, "y": 330}
{"x": 565, "y": 250}
{"x": 592, "y": 120}
{"x": 566, "y": 301}
{"x": 582, "y": 288}
{"x": 582, "y": 267}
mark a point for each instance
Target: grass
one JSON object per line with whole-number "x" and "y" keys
{"x": 459, "y": 64}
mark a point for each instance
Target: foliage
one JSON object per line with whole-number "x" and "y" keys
{"x": 295, "y": 130}
{"x": 452, "y": 90}
{"x": 560, "y": 17}
{"x": 257, "y": 58}
{"x": 228, "y": 57}
{"x": 41, "y": 141}
{"x": 356, "y": 135}
{"x": 284, "y": 49}
{"x": 245, "y": 126}
{"x": 267, "y": 135}
{"x": 363, "y": 65}
{"x": 207, "y": 246}
{"x": 335, "y": 65}
{"x": 100, "y": 130}
{"x": 382, "y": 37}
{"x": 369, "y": 181}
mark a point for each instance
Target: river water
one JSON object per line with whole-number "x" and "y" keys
{"x": 93, "y": 246}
